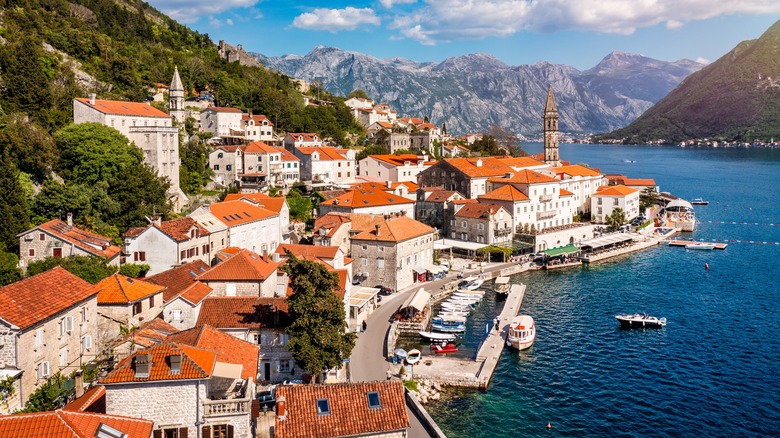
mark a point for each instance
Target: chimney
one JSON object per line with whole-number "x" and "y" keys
{"x": 479, "y": 162}
{"x": 275, "y": 257}
{"x": 79, "y": 383}
{"x": 69, "y": 217}
{"x": 389, "y": 184}
{"x": 157, "y": 220}
{"x": 175, "y": 360}
{"x": 281, "y": 408}
{"x": 92, "y": 98}
{"x": 142, "y": 365}
{"x": 377, "y": 229}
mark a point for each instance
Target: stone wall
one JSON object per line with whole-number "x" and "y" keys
{"x": 168, "y": 404}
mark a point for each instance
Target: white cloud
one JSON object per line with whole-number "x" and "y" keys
{"x": 335, "y": 20}
{"x": 215, "y": 22}
{"x": 389, "y": 3}
{"x": 229, "y": 22}
{"x": 190, "y": 11}
{"x": 447, "y": 20}
{"x": 704, "y": 61}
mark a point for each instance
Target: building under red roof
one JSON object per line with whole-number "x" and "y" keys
{"x": 72, "y": 424}
{"x": 229, "y": 348}
{"x": 122, "y": 108}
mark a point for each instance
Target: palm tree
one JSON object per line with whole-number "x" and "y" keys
{"x": 616, "y": 219}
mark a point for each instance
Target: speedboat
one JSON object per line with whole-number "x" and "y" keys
{"x": 453, "y": 324}
{"x": 638, "y": 320}
{"x": 522, "y": 332}
{"x": 437, "y": 337}
{"x": 700, "y": 245}
{"x": 463, "y": 307}
{"x": 452, "y": 314}
{"x": 474, "y": 284}
{"x": 463, "y": 300}
{"x": 699, "y": 201}
{"x": 413, "y": 356}
{"x": 501, "y": 285}
{"x": 449, "y": 348}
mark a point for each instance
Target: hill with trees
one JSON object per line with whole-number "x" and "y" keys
{"x": 736, "y": 98}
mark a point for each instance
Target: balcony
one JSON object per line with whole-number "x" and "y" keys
{"x": 545, "y": 198}
{"x": 546, "y": 214}
{"x": 499, "y": 232}
{"x": 216, "y": 408}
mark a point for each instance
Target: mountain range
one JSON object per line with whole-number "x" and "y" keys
{"x": 470, "y": 93}
{"x": 736, "y": 97}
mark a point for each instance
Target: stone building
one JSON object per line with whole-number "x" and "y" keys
{"x": 609, "y": 198}
{"x": 333, "y": 230}
{"x": 550, "y": 119}
{"x": 163, "y": 245}
{"x": 183, "y": 294}
{"x": 489, "y": 224}
{"x": 433, "y": 207}
{"x": 368, "y": 198}
{"x": 244, "y": 274}
{"x": 126, "y": 302}
{"x": 392, "y": 167}
{"x": 48, "y": 324}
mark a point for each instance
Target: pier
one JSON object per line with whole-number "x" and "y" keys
{"x": 475, "y": 372}
{"x": 692, "y": 242}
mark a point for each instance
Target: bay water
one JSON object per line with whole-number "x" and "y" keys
{"x": 714, "y": 370}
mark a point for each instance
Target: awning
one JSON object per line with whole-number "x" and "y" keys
{"x": 419, "y": 300}
{"x": 362, "y": 295}
{"x": 437, "y": 245}
{"x": 227, "y": 370}
{"x": 9, "y": 373}
{"x": 433, "y": 269}
{"x": 461, "y": 244}
{"x": 563, "y": 250}
{"x": 610, "y": 239}
{"x": 420, "y": 270}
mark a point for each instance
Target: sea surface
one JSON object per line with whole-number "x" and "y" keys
{"x": 713, "y": 371}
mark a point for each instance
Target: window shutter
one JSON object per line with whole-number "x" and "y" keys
{"x": 183, "y": 432}
{"x": 206, "y": 431}
{"x": 255, "y": 408}
{"x": 230, "y": 431}
{"x": 157, "y": 433}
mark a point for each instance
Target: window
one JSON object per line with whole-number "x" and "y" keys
{"x": 323, "y": 406}
{"x": 63, "y": 357}
{"x": 364, "y": 247}
{"x": 56, "y": 253}
{"x": 83, "y": 314}
{"x": 41, "y": 236}
{"x": 138, "y": 308}
{"x": 139, "y": 256}
{"x": 284, "y": 366}
{"x": 43, "y": 369}
{"x": 219, "y": 155}
{"x": 373, "y": 400}
{"x": 151, "y": 301}
{"x": 39, "y": 338}
{"x": 364, "y": 262}
{"x": 229, "y": 167}
{"x": 380, "y": 263}
{"x": 176, "y": 314}
{"x": 219, "y": 431}
{"x": 66, "y": 325}
{"x": 105, "y": 431}
{"x": 31, "y": 252}
{"x": 480, "y": 226}
{"x": 216, "y": 167}
{"x": 86, "y": 344}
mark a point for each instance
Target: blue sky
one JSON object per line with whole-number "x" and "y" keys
{"x": 575, "y": 32}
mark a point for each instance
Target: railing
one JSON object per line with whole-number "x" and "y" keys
{"x": 502, "y": 232}
{"x": 227, "y": 407}
{"x": 545, "y": 214}
{"x": 545, "y": 198}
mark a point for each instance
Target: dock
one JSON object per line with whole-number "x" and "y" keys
{"x": 478, "y": 371}
{"x": 693, "y": 242}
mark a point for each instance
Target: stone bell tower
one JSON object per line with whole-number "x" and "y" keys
{"x": 550, "y": 117}
{"x": 176, "y": 98}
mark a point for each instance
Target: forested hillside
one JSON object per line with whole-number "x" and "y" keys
{"x": 52, "y": 51}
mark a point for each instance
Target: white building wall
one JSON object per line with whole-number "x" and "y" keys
{"x": 188, "y": 313}
{"x": 160, "y": 251}
{"x": 169, "y": 404}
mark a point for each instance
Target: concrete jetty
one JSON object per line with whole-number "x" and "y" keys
{"x": 476, "y": 372}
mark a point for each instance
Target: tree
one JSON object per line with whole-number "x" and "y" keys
{"x": 300, "y": 207}
{"x": 647, "y": 198}
{"x": 134, "y": 270}
{"x": 371, "y": 150}
{"x": 360, "y": 94}
{"x": 49, "y": 396}
{"x": 9, "y": 272}
{"x": 88, "y": 268}
{"x": 91, "y": 152}
{"x": 318, "y": 340}
{"x": 29, "y": 146}
{"x": 14, "y": 210}
{"x": 616, "y": 219}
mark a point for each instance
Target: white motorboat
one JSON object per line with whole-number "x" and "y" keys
{"x": 437, "y": 337}
{"x": 640, "y": 321}
{"x": 474, "y": 285}
{"x": 501, "y": 285}
{"x": 462, "y": 299}
{"x": 452, "y": 314}
{"x": 462, "y": 307}
{"x": 413, "y": 356}
{"x": 465, "y": 297}
{"x": 700, "y": 245}
{"x": 522, "y": 332}
{"x": 449, "y": 325}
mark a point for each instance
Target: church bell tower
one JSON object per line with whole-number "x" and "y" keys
{"x": 176, "y": 98}
{"x": 550, "y": 117}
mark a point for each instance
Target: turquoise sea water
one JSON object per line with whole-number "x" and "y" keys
{"x": 713, "y": 371}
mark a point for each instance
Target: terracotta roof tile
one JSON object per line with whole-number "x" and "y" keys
{"x": 233, "y": 213}
{"x": 525, "y": 176}
{"x": 309, "y": 252}
{"x": 618, "y": 190}
{"x": 196, "y": 293}
{"x": 87, "y": 399}
{"x": 259, "y": 147}
{"x": 229, "y": 348}
{"x": 478, "y": 210}
{"x": 442, "y": 196}
{"x": 575, "y": 170}
{"x": 90, "y": 242}
{"x": 505, "y": 193}
{"x": 399, "y": 160}
{"x": 179, "y": 229}
{"x": 350, "y": 414}
{"x": 259, "y": 119}
{"x": 480, "y": 167}
{"x": 393, "y": 229}
{"x": 331, "y": 222}
{"x": 274, "y": 204}
{"x": 367, "y": 195}
{"x": 196, "y": 363}
{"x": 243, "y": 312}
{"x": 305, "y": 136}
{"x": 178, "y": 279}
{"x": 223, "y": 109}
{"x": 244, "y": 266}
{"x": 521, "y": 162}
{"x": 149, "y": 333}
{"x": 70, "y": 424}
{"x": 565, "y": 192}
{"x": 42, "y": 296}
{"x": 122, "y": 108}
{"x": 327, "y": 153}
{"x": 120, "y": 289}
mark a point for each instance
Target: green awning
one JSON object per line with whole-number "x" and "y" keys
{"x": 561, "y": 250}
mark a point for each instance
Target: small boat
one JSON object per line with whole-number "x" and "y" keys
{"x": 522, "y": 332}
{"x": 463, "y": 300}
{"x": 449, "y": 348}
{"x": 449, "y": 325}
{"x": 413, "y": 356}
{"x": 438, "y": 337}
{"x": 501, "y": 285}
{"x": 702, "y": 245}
{"x": 640, "y": 321}
{"x": 450, "y": 307}
{"x": 452, "y": 314}
{"x": 474, "y": 285}
{"x": 699, "y": 201}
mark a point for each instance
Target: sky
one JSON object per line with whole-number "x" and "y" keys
{"x": 575, "y": 32}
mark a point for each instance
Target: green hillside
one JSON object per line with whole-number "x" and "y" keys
{"x": 735, "y": 98}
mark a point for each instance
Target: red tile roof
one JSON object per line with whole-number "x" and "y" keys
{"x": 521, "y": 162}
{"x": 575, "y": 170}
{"x": 442, "y": 196}
{"x": 393, "y": 229}
{"x": 229, "y": 348}
{"x": 367, "y": 195}
{"x": 309, "y": 252}
{"x": 327, "y": 153}
{"x": 525, "y": 176}
{"x": 42, "y": 296}
{"x": 149, "y": 333}
{"x": 400, "y": 160}
{"x": 565, "y": 192}
{"x": 84, "y": 403}
{"x": 222, "y": 109}
{"x": 179, "y": 229}
{"x": 331, "y": 222}
{"x": 122, "y": 108}
{"x": 178, "y": 279}
{"x": 259, "y": 147}
{"x": 259, "y": 119}
{"x": 480, "y": 167}
{"x": 626, "y": 181}
{"x": 196, "y": 363}
{"x": 233, "y": 213}
{"x": 120, "y": 289}
{"x": 196, "y": 293}
{"x": 350, "y": 414}
{"x": 478, "y": 210}
{"x": 274, "y": 204}
{"x": 505, "y": 193}
{"x": 70, "y": 424}
{"x": 288, "y": 156}
{"x": 244, "y": 266}
{"x": 305, "y": 136}
{"x": 90, "y": 242}
{"x": 244, "y": 312}
{"x": 618, "y": 191}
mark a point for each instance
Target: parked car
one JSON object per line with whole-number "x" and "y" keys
{"x": 384, "y": 290}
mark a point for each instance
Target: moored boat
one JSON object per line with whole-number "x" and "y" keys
{"x": 699, "y": 201}
{"x": 453, "y": 324}
{"x": 700, "y": 245}
{"x": 449, "y": 348}
{"x": 470, "y": 283}
{"x": 413, "y": 356}
{"x": 438, "y": 337}
{"x": 522, "y": 332}
{"x": 638, "y": 320}
{"x": 501, "y": 285}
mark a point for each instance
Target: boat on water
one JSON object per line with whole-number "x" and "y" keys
{"x": 452, "y": 324}
{"x": 640, "y": 320}
{"x": 501, "y": 285}
{"x": 700, "y": 245}
{"x": 461, "y": 299}
{"x": 471, "y": 283}
{"x": 437, "y": 337}
{"x": 413, "y": 356}
{"x": 449, "y": 348}
{"x": 452, "y": 314}
{"x": 679, "y": 214}
{"x": 522, "y": 332}
{"x": 455, "y": 307}
{"x": 462, "y": 296}
{"x": 699, "y": 201}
